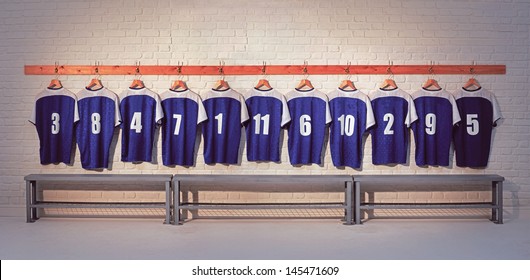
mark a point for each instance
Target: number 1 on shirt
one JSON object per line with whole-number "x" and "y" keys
{"x": 219, "y": 119}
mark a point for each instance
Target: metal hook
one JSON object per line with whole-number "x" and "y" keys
{"x": 56, "y": 70}
{"x": 221, "y": 69}
{"x": 431, "y": 69}
{"x": 388, "y": 69}
{"x": 96, "y": 69}
{"x": 263, "y": 69}
{"x": 472, "y": 69}
{"x": 179, "y": 68}
{"x": 137, "y": 67}
{"x": 347, "y": 70}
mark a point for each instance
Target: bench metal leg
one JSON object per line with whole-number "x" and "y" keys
{"x": 497, "y": 202}
{"x": 357, "y": 203}
{"x": 494, "y": 202}
{"x": 168, "y": 203}
{"x": 176, "y": 203}
{"x": 35, "y": 210}
{"x": 348, "y": 203}
{"x": 28, "y": 203}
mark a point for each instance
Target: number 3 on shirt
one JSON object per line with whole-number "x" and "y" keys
{"x": 55, "y": 123}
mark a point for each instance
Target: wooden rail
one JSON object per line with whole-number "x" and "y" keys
{"x": 261, "y": 69}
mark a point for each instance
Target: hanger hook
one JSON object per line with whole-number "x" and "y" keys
{"x": 304, "y": 70}
{"x": 389, "y": 69}
{"x": 431, "y": 70}
{"x": 347, "y": 70}
{"x": 56, "y": 70}
{"x": 221, "y": 69}
{"x": 96, "y": 68}
{"x": 179, "y": 68}
{"x": 263, "y": 68}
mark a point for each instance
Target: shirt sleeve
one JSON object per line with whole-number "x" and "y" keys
{"x": 201, "y": 114}
{"x": 244, "y": 112}
{"x": 328, "y": 112}
{"x": 456, "y": 113}
{"x": 497, "y": 115}
{"x": 370, "y": 119}
{"x": 76, "y": 111}
{"x": 117, "y": 115}
{"x": 33, "y": 117}
{"x": 412, "y": 116}
{"x": 159, "y": 112}
{"x": 286, "y": 116}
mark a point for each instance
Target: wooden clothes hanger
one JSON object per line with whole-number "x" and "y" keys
{"x": 55, "y": 84}
{"x": 347, "y": 85}
{"x": 472, "y": 84}
{"x": 431, "y": 84}
{"x": 388, "y": 84}
{"x": 221, "y": 84}
{"x": 305, "y": 84}
{"x": 178, "y": 85}
{"x": 95, "y": 84}
{"x": 263, "y": 84}
{"x": 137, "y": 84}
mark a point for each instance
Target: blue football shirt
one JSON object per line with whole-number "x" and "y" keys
{"x": 54, "y": 116}
{"x": 98, "y": 116}
{"x": 183, "y": 111}
{"x": 141, "y": 111}
{"x": 433, "y": 132}
{"x": 394, "y": 112}
{"x": 307, "y": 130}
{"x": 480, "y": 112}
{"x": 226, "y": 111}
{"x": 268, "y": 114}
{"x": 352, "y": 115}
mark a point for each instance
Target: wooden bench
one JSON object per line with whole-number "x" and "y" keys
{"x": 298, "y": 181}
{"x": 33, "y": 204}
{"x": 430, "y": 182}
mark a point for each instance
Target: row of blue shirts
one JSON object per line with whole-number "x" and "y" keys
{"x": 436, "y": 117}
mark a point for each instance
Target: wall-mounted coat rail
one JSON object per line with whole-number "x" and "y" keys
{"x": 260, "y": 69}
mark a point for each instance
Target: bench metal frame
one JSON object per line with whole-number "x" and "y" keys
{"x": 496, "y": 205}
{"x": 352, "y": 186}
{"x": 299, "y": 181}
{"x": 33, "y": 204}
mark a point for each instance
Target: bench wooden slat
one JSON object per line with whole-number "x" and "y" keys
{"x": 98, "y": 177}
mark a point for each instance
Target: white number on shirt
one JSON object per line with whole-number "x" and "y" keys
{"x": 389, "y": 118}
{"x": 219, "y": 119}
{"x": 347, "y": 124}
{"x": 55, "y": 123}
{"x": 472, "y": 124}
{"x": 257, "y": 118}
{"x": 96, "y": 123}
{"x": 178, "y": 117}
{"x": 305, "y": 125}
{"x": 430, "y": 122}
{"x": 136, "y": 122}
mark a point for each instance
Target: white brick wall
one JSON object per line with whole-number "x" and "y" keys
{"x": 249, "y": 32}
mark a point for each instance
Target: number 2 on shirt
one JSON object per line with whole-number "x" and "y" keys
{"x": 389, "y": 118}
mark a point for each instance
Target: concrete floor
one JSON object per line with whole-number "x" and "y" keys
{"x": 65, "y": 238}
